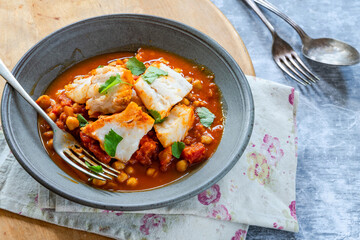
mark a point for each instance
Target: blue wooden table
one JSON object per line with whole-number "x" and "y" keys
{"x": 328, "y": 174}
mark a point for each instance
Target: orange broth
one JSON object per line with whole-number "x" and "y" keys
{"x": 209, "y": 96}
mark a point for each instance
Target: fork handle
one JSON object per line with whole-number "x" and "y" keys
{"x": 304, "y": 37}
{"x": 9, "y": 77}
{"x": 253, "y": 5}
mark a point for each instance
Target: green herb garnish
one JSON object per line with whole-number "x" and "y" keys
{"x": 112, "y": 81}
{"x": 156, "y": 115}
{"x": 112, "y": 139}
{"x": 206, "y": 117}
{"x": 95, "y": 169}
{"x": 153, "y": 73}
{"x": 82, "y": 121}
{"x": 100, "y": 66}
{"x": 177, "y": 148}
{"x": 135, "y": 66}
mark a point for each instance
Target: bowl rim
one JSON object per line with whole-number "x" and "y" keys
{"x": 88, "y": 202}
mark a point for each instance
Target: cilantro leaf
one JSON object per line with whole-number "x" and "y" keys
{"x": 95, "y": 169}
{"x": 177, "y": 148}
{"x": 82, "y": 121}
{"x": 156, "y": 115}
{"x": 100, "y": 66}
{"x": 112, "y": 81}
{"x": 135, "y": 66}
{"x": 206, "y": 117}
{"x": 153, "y": 73}
{"x": 112, "y": 139}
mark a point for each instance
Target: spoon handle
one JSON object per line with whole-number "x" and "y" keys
{"x": 7, "y": 75}
{"x": 252, "y": 4}
{"x": 304, "y": 37}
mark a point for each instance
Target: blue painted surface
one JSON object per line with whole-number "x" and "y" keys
{"x": 328, "y": 174}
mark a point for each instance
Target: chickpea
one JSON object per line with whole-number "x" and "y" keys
{"x": 129, "y": 170}
{"x": 44, "y": 101}
{"x": 48, "y": 134}
{"x": 178, "y": 70}
{"x": 76, "y": 107}
{"x": 50, "y": 143}
{"x": 68, "y": 111}
{"x": 181, "y": 165}
{"x": 98, "y": 182}
{"x": 118, "y": 165}
{"x": 122, "y": 177}
{"x": 151, "y": 172}
{"x": 197, "y": 84}
{"x": 198, "y": 103}
{"x": 185, "y": 101}
{"x": 189, "y": 79}
{"x": 72, "y": 123}
{"x": 132, "y": 182}
{"x": 206, "y": 139}
{"x": 52, "y": 116}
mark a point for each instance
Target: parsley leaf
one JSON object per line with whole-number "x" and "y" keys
{"x": 135, "y": 66}
{"x": 112, "y": 139}
{"x": 153, "y": 73}
{"x": 82, "y": 121}
{"x": 156, "y": 115}
{"x": 112, "y": 81}
{"x": 206, "y": 117}
{"x": 95, "y": 169}
{"x": 177, "y": 148}
{"x": 100, "y": 66}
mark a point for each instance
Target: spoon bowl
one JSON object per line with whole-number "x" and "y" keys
{"x": 330, "y": 51}
{"x": 322, "y": 50}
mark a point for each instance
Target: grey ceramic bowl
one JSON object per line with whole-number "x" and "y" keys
{"x": 112, "y": 33}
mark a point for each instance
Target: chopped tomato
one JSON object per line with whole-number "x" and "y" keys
{"x": 147, "y": 152}
{"x": 165, "y": 158}
{"x": 194, "y": 153}
{"x": 93, "y": 146}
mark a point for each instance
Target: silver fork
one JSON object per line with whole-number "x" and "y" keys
{"x": 63, "y": 142}
{"x": 284, "y": 55}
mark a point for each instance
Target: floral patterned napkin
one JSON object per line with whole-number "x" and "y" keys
{"x": 259, "y": 190}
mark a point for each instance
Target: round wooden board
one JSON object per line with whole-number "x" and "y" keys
{"x": 25, "y": 22}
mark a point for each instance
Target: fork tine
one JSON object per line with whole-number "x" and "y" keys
{"x": 79, "y": 161}
{"x": 304, "y": 66}
{"x": 288, "y": 64}
{"x": 300, "y": 69}
{"x": 87, "y": 159}
{"x": 279, "y": 63}
{"x": 70, "y": 162}
{"x": 97, "y": 161}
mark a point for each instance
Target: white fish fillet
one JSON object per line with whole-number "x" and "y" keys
{"x": 87, "y": 90}
{"x": 176, "y": 125}
{"x": 77, "y": 90}
{"x": 131, "y": 124}
{"x": 164, "y": 92}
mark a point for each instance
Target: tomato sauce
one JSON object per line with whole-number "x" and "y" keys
{"x": 205, "y": 93}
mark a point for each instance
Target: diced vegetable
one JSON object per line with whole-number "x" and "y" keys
{"x": 194, "y": 153}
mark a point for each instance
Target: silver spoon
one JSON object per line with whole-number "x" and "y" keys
{"x": 323, "y": 50}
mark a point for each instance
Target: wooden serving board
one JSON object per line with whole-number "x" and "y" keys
{"x": 25, "y": 22}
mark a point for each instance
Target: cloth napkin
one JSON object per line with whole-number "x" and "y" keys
{"x": 259, "y": 190}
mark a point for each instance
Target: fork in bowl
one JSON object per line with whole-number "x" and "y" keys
{"x": 65, "y": 145}
{"x": 284, "y": 55}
